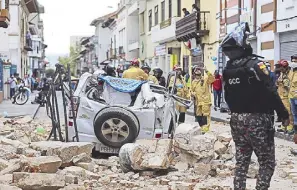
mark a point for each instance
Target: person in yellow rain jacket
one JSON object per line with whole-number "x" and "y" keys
{"x": 181, "y": 91}
{"x": 134, "y": 72}
{"x": 151, "y": 78}
{"x": 283, "y": 83}
{"x": 200, "y": 90}
{"x": 293, "y": 93}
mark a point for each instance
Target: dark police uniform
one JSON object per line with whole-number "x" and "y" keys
{"x": 251, "y": 97}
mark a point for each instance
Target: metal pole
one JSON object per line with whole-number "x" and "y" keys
{"x": 71, "y": 103}
{"x": 65, "y": 112}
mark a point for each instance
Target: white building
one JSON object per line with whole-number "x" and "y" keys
{"x": 128, "y": 30}
{"x": 118, "y": 34}
{"x": 36, "y": 56}
{"x": 287, "y": 29}
{"x": 103, "y": 36}
{"x": 20, "y": 42}
{"x": 75, "y": 40}
{"x": 162, "y": 17}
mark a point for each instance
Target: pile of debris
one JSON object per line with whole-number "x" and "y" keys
{"x": 29, "y": 162}
{"x": 24, "y": 129}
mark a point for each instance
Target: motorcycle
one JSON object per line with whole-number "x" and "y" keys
{"x": 22, "y": 95}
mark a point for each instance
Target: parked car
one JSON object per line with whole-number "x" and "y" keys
{"x": 104, "y": 115}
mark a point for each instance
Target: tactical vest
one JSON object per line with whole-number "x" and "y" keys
{"x": 244, "y": 92}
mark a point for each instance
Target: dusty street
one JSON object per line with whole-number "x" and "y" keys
{"x": 29, "y": 162}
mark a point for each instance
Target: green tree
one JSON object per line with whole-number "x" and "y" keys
{"x": 74, "y": 53}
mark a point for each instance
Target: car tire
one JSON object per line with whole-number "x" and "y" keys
{"x": 116, "y": 126}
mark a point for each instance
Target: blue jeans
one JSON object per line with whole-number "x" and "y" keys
{"x": 293, "y": 102}
{"x": 217, "y": 98}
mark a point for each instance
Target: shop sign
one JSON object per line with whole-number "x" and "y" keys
{"x": 160, "y": 50}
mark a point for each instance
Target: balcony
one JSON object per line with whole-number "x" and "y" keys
{"x": 194, "y": 25}
{"x": 28, "y": 45}
{"x": 165, "y": 31}
{"x": 133, "y": 45}
{"x": 134, "y": 8}
{"x": 4, "y": 18}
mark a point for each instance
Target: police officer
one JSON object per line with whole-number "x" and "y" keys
{"x": 251, "y": 96}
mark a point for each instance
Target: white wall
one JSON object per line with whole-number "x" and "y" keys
{"x": 132, "y": 35}
{"x": 14, "y": 38}
{"x": 265, "y": 36}
{"x": 4, "y": 49}
{"x": 104, "y": 35}
{"x": 286, "y": 9}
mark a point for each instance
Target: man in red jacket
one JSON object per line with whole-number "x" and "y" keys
{"x": 217, "y": 89}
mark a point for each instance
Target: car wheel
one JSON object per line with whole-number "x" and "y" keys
{"x": 116, "y": 126}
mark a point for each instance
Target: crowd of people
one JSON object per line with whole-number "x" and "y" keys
{"x": 15, "y": 81}
{"x": 198, "y": 89}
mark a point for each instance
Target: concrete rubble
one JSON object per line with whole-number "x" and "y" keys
{"x": 190, "y": 161}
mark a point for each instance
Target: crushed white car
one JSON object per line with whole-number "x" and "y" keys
{"x": 104, "y": 115}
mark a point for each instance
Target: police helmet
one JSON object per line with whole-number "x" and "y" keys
{"x": 145, "y": 66}
{"x": 158, "y": 71}
{"x": 235, "y": 43}
{"x": 294, "y": 57}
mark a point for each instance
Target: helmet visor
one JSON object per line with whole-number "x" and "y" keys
{"x": 238, "y": 37}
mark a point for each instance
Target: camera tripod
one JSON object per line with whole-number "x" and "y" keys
{"x": 60, "y": 80}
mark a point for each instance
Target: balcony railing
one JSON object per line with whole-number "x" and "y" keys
{"x": 4, "y": 18}
{"x": 192, "y": 26}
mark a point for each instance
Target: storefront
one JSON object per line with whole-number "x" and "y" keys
{"x": 166, "y": 56}
{"x": 288, "y": 44}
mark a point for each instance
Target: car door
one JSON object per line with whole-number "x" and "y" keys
{"x": 88, "y": 109}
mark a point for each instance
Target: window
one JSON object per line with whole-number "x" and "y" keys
{"x": 178, "y": 8}
{"x": 150, "y": 19}
{"x": 6, "y": 4}
{"x": 156, "y": 15}
{"x": 142, "y": 24}
{"x": 170, "y": 8}
{"x": 163, "y": 11}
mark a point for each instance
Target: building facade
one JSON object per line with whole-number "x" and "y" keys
{"x": 104, "y": 36}
{"x": 37, "y": 55}
{"x": 162, "y": 17}
{"x": 16, "y": 30}
{"x": 286, "y": 28}
{"x": 198, "y": 34}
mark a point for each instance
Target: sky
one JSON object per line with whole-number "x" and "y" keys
{"x": 65, "y": 18}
